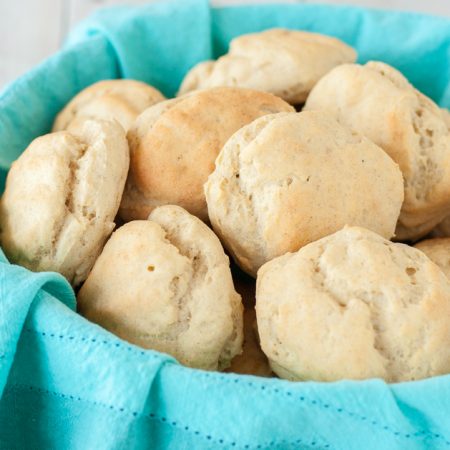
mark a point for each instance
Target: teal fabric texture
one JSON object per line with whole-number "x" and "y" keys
{"x": 66, "y": 383}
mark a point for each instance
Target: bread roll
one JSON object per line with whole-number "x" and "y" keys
{"x": 165, "y": 284}
{"x": 354, "y": 305}
{"x": 61, "y": 198}
{"x": 289, "y": 179}
{"x": 287, "y": 63}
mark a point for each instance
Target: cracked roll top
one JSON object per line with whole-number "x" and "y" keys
{"x": 173, "y": 146}
{"x": 165, "y": 284}
{"x": 61, "y": 198}
{"x": 354, "y": 305}
{"x": 289, "y": 179}
{"x": 121, "y": 100}
{"x": 286, "y": 63}
{"x": 379, "y": 102}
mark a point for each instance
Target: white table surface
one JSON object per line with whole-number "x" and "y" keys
{"x": 30, "y": 30}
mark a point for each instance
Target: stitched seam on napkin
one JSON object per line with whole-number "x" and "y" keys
{"x": 424, "y": 434}
{"x": 97, "y": 342}
{"x": 166, "y": 421}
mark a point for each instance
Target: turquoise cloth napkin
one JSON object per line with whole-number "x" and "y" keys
{"x": 68, "y": 384}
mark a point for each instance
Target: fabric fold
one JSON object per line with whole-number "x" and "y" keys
{"x": 18, "y": 289}
{"x": 157, "y": 43}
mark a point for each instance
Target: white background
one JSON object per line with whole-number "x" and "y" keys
{"x": 30, "y": 30}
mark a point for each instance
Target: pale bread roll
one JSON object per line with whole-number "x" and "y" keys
{"x": 61, "y": 198}
{"x": 438, "y": 250}
{"x": 286, "y": 63}
{"x": 174, "y": 145}
{"x": 354, "y": 305}
{"x": 165, "y": 284}
{"x": 122, "y": 100}
{"x": 289, "y": 179}
{"x": 379, "y": 102}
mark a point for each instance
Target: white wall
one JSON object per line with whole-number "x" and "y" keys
{"x": 30, "y": 30}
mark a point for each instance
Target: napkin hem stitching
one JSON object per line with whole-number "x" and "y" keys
{"x": 162, "y": 419}
{"x": 424, "y": 434}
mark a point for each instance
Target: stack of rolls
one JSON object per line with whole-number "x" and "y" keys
{"x": 320, "y": 210}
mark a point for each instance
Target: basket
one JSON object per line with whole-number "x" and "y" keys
{"x": 66, "y": 383}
